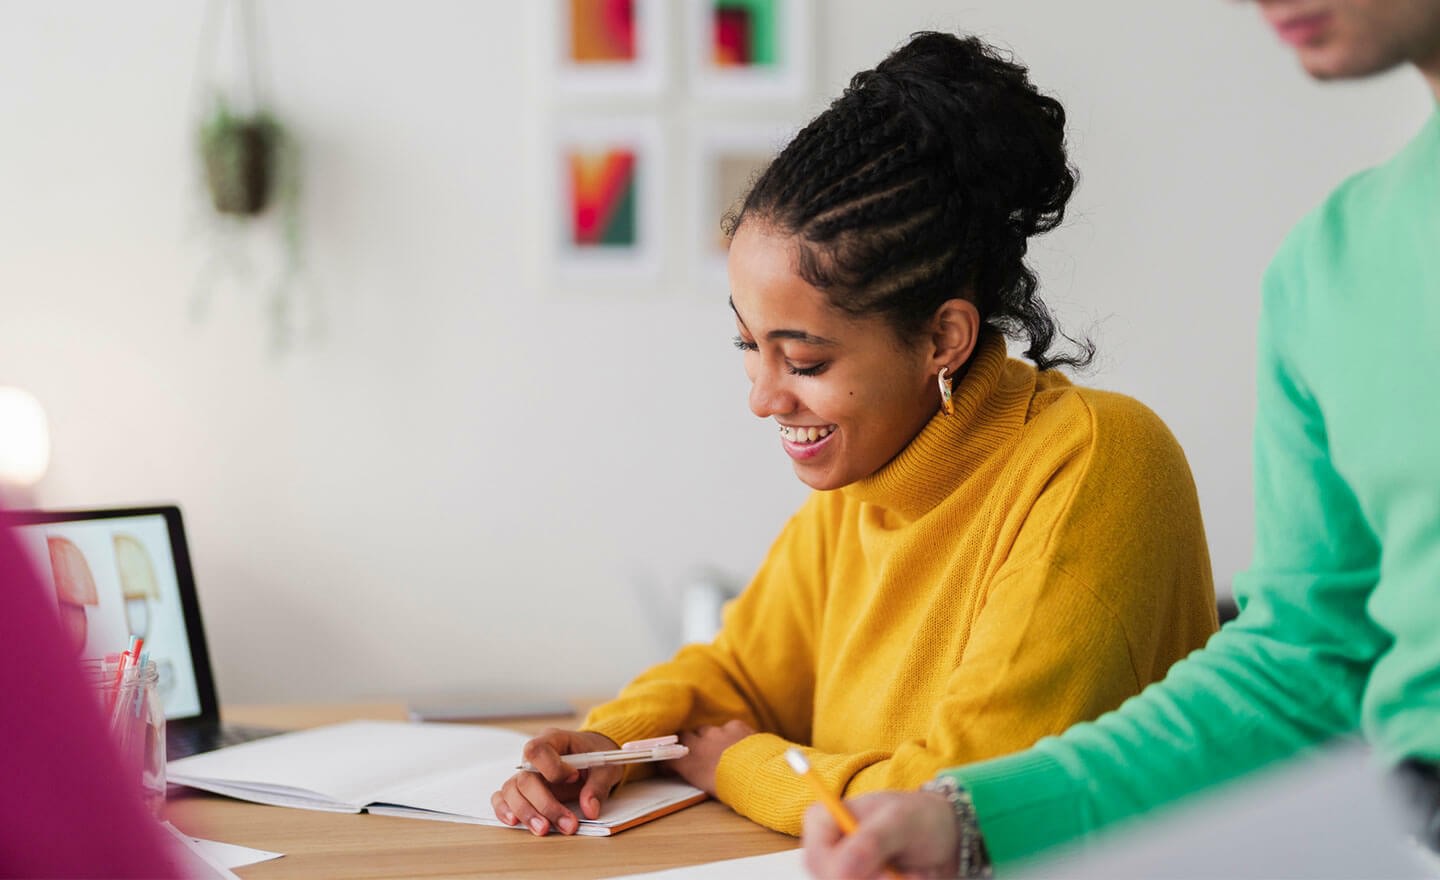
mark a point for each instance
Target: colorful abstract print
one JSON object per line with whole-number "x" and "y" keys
{"x": 745, "y": 33}
{"x": 603, "y": 187}
{"x": 602, "y": 31}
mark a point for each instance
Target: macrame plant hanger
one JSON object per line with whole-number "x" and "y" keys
{"x": 250, "y": 174}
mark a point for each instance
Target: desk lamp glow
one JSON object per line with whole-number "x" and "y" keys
{"x": 24, "y": 439}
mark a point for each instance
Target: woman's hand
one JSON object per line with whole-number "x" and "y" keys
{"x": 912, "y": 832}
{"x": 706, "y": 743}
{"x": 538, "y": 799}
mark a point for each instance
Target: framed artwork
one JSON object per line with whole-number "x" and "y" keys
{"x": 605, "y": 179}
{"x": 613, "y": 47}
{"x": 726, "y": 158}
{"x": 749, "y": 48}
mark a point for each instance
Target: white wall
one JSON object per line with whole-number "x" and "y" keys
{"x": 472, "y": 480}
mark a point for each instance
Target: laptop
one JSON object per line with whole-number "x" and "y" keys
{"x": 123, "y": 571}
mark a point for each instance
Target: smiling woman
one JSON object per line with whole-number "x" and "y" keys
{"x": 846, "y": 392}
{"x": 991, "y": 553}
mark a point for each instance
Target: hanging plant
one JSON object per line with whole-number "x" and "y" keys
{"x": 249, "y": 166}
{"x": 240, "y": 155}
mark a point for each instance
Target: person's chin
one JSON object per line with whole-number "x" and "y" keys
{"x": 817, "y": 478}
{"x": 1322, "y": 71}
{"x": 1330, "y": 66}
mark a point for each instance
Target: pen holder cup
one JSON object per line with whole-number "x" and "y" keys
{"x": 136, "y": 721}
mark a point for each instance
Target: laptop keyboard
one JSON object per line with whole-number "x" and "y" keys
{"x": 182, "y": 742}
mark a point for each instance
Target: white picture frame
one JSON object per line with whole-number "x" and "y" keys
{"x": 574, "y": 250}
{"x": 644, "y": 75}
{"x": 724, "y": 159}
{"x": 786, "y": 76}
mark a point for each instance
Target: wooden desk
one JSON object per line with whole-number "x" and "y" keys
{"x": 343, "y": 845}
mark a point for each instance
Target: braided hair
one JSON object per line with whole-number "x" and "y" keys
{"x": 924, "y": 181}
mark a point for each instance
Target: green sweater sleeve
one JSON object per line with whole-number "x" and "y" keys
{"x": 1287, "y": 674}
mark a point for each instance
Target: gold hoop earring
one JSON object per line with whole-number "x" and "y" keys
{"x": 947, "y": 401}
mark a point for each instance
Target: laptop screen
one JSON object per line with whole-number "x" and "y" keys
{"x": 121, "y": 572}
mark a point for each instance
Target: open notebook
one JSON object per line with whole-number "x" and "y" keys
{"x": 445, "y": 772}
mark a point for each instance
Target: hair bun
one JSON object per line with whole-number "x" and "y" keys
{"x": 924, "y": 181}
{"x": 981, "y": 108}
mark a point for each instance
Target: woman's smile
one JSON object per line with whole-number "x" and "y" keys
{"x": 805, "y": 441}
{"x": 847, "y": 392}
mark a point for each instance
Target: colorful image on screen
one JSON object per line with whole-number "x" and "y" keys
{"x": 114, "y": 578}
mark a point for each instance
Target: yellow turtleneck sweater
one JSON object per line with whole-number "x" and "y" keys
{"x": 1028, "y": 562}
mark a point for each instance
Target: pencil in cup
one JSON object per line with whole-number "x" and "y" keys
{"x": 125, "y": 661}
{"x": 833, "y": 805}
{"x": 136, "y": 721}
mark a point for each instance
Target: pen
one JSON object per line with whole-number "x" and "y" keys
{"x": 126, "y": 658}
{"x": 663, "y": 748}
{"x": 139, "y": 671}
{"x": 842, "y": 816}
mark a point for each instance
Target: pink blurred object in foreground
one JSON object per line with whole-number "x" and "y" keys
{"x": 66, "y": 809}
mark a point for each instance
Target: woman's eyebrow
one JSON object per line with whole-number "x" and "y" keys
{"x": 798, "y": 335}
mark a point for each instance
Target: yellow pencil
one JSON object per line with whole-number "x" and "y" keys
{"x": 833, "y": 805}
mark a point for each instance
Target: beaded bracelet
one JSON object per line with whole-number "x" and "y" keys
{"x": 971, "y": 856}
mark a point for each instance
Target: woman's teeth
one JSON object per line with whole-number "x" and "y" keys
{"x": 805, "y": 435}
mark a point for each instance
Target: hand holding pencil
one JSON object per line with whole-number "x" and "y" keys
{"x": 884, "y": 834}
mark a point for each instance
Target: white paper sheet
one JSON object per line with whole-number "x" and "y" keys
{"x": 444, "y": 772}
{"x": 784, "y": 865}
{"x": 212, "y": 859}
{"x": 347, "y": 764}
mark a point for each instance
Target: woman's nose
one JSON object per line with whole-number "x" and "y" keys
{"x": 768, "y": 395}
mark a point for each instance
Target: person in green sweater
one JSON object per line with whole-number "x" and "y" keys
{"x": 1339, "y": 625}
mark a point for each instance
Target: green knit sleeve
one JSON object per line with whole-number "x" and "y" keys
{"x": 1286, "y": 675}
